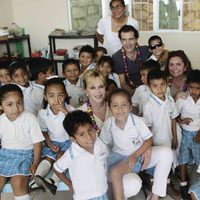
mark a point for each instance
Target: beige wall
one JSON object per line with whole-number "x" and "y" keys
{"x": 40, "y": 17}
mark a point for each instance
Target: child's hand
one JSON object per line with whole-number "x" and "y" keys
{"x": 32, "y": 169}
{"x": 61, "y": 106}
{"x": 132, "y": 160}
{"x": 174, "y": 143}
{"x": 146, "y": 157}
{"x": 55, "y": 148}
{"x": 197, "y": 137}
{"x": 186, "y": 121}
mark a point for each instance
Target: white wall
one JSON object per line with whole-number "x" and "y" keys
{"x": 40, "y": 17}
{"x": 6, "y": 11}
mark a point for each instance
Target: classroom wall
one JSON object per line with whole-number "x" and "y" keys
{"x": 40, "y": 17}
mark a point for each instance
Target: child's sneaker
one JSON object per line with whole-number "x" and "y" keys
{"x": 172, "y": 191}
{"x": 50, "y": 187}
{"x": 184, "y": 192}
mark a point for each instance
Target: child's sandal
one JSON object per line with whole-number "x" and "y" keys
{"x": 50, "y": 187}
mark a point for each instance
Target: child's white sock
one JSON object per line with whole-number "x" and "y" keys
{"x": 55, "y": 178}
{"x": 42, "y": 170}
{"x": 24, "y": 197}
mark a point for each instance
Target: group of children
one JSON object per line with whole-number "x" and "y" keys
{"x": 40, "y": 128}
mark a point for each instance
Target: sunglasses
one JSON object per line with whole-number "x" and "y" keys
{"x": 156, "y": 45}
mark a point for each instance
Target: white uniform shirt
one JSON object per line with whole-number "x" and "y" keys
{"x": 157, "y": 115}
{"x": 20, "y": 134}
{"x": 130, "y": 139}
{"x": 87, "y": 171}
{"x": 33, "y": 97}
{"x": 140, "y": 97}
{"x": 98, "y": 121}
{"x": 75, "y": 92}
{"x": 115, "y": 77}
{"x": 111, "y": 39}
{"x": 189, "y": 109}
{"x": 53, "y": 124}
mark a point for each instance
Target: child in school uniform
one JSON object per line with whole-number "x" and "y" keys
{"x": 40, "y": 70}
{"x": 86, "y": 58}
{"x": 21, "y": 142}
{"x": 73, "y": 83}
{"x": 105, "y": 66}
{"x": 56, "y": 138}
{"x": 4, "y": 73}
{"x": 20, "y": 76}
{"x": 99, "y": 52}
{"x": 85, "y": 159}
{"x": 160, "y": 116}
{"x": 131, "y": 138}
{"x": 189, "y": 120}
{"x": 141, "y": 94}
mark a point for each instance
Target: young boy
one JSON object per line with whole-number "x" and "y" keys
{"x": 73, "y": 83}
{"x": 141, "y": 95}
{"x": 160, "y": 116}
{"x": 85, "y": 159}
{"x": 189, "y": 119}
{"x": 157, "y": 48}
{"x": 40, "y": 70}
{"x": 86, "y": 58}
{"x": 99, "y": 52}
{"x": 4, "y": 73}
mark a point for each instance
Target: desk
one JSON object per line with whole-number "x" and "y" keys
{"x": 52, "y": 44}
{"x": 8, "y": 41}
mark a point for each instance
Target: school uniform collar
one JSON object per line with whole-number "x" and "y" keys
{"x": 37, "y": 85}
{"x": 30, "y": 87}
{"x": 50, "y": 112}
{"x": 157, "y": 100}
{"x": 79, "y": 83}
{"x": 129, "y": 123}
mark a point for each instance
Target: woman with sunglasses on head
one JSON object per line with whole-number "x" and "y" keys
{"x": 157, "y": 48}
{"x": 108, "y": 27}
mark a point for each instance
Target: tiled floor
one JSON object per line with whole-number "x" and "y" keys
{"x": 68, "y": 196}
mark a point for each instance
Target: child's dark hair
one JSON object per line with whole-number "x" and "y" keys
{"x": 70, "y": 61}
{"x": 154, "y": 37}
{"x": 5, "y": 89}
{"x": 87, "y": 49}
{"x": 150, "y": 65}
{"x": 39, "y": 65}
{"x": 54, "y": 81}
{"x": 101, "y": 49}
{"x": 4, "y": 65}
{"x": 194, "y": 76}
{"x": 126, "y": 29}
{"x": 119, "y": 91}
{"x": 110, "y": 83}
{"x": 14, "y": 66}
{"x": 74, "y": 120}
{"x": 121, "y": 1}
{"x": 156, "y": 74}
{"x": 104, "y": 59}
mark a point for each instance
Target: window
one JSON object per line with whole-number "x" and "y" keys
{"x": 152, "y": 15}
{"x": 84, "y": 14}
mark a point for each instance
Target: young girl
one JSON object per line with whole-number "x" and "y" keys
{"x": 21, "y": 142}
{"x": 105, "y": 66}
{"x": 50, "y": 119}
{"x": 131, "y": 138}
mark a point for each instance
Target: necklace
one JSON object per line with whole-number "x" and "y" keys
{"x": 90, "y": 112}
{"x": 124, "y": 57}
{"x": 100, "y": 110}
